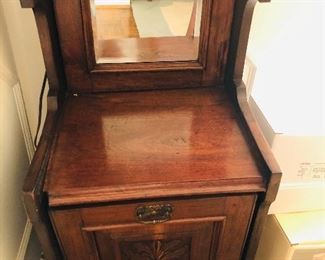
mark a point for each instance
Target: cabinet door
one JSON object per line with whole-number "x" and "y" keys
{"x": 198, "y": 229}
{"x": 190, "y": 240}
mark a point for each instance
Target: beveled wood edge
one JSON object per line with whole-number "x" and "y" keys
{"x": 150, "y": 191}
{"x": 237, "y": 90}
{"x": 28, "y": 3}
{"x": 143, "y": 67}
{"x": 94, "y": 228}
{"x": 35, "y": 200}
{"x": 260, "y": 217}
{"x": 273, "y": 171}
{"x": 255, "y": 129}
{"x": 50, "y": 46}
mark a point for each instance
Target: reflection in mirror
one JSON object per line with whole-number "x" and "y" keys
{"x": 127, "y": 31}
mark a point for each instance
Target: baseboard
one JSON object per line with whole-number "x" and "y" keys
{"x": 24, "y": 121}
{"x": 24, "y": 241}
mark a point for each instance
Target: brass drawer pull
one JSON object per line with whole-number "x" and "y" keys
{"x": 153, "y": 214}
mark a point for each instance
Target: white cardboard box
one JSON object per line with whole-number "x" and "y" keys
{"x": 294, "y": 236}
{"x": 302, "y": 162}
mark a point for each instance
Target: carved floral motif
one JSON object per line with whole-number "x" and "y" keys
{"x": 176, "y": 249}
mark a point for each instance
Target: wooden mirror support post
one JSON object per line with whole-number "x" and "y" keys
{"x": 162, "y": 159}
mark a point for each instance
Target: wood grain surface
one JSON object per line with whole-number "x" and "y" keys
{"x": 114, "y": 22}
{"x": 84, "y": 75}
{"x": 149, "y": 144}
{"x": 216, "y": 227}
{"x": 151, "y": 49}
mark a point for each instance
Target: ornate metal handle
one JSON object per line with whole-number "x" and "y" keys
{"x": 153, "y": 214}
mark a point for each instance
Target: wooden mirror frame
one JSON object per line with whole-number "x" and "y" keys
{"x": 159, "y": 52}
{"x": 85, "y": 75}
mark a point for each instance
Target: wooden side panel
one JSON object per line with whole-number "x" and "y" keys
{"x": 219, "y": 35}
{"x": 69, "y": 23}
{"x": 28, "y": 3}
{"x": 198, "y": 229}
{"x": 238, "y": 41}
{"x": 35, "y": 201}
{"x": 45, "y": 21}
{"x": 270, "y": 169}
{"x": 243, "y": 14}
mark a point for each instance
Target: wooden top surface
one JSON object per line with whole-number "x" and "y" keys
{"x": 148, "y": 144}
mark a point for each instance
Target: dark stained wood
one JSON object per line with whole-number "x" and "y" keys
{"x": 239, "y": 40}
{"x": 272, "y": 171}
{"x": 199, "y": 229}
{"x": 181, "y": 48}
{"x": 115, "y": 151}
{"x": 89, "y": 20}
{"x": 155, "y": 79}
{"x": 149, "y": 144}
{"x": 73, "y": 45}
{"x": 221, "y": 13}
{"x": 182, "y": 241}
{"x": 256, "y": 131}
{"x": 84, "y": 75}
{"x": 243, "y": 14}
{"x": 134, "y": 75}
{"x": 45, "y": 21}
{"x": 35, "y": 201}
{"x": 29, "y": 3}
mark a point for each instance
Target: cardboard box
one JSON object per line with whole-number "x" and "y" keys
{"x": 295, "y": 236}
{"x": 302, "y": 161}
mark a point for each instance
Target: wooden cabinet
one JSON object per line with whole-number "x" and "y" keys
{"x": 153, "y": 155}
{"x": 198, "y": 229}
{"x": 144, "y": 157}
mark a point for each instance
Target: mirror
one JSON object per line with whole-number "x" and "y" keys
{"x": 127, "y": 31}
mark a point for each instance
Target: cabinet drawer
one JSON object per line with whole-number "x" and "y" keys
{"x": 196, "y": 229}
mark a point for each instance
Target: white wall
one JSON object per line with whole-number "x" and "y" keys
{"x": 21, "y": 75}
{"x": 14, "y": 159}
{"x": 24, "y": 41}
{"x": 287, "y": 46}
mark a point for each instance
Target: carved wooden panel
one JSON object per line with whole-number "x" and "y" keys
{"x": 198, "y": 229}
{"x": 166, "y": 241}
{"x": 156, "y": 249}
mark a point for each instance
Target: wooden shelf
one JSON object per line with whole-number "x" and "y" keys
{"x": 181, "y": 48}
{"x": 148, "y": 144}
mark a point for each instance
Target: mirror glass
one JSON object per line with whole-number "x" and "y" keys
{"x": 126, "y": 31}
